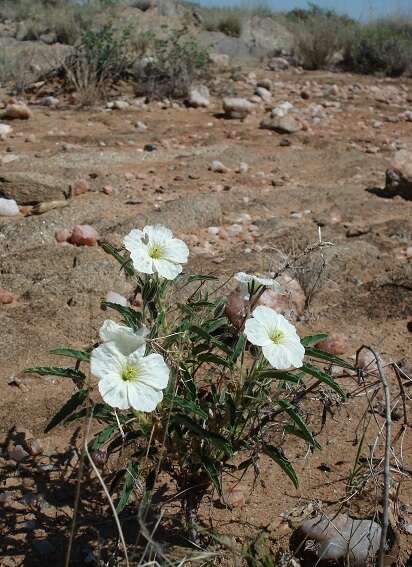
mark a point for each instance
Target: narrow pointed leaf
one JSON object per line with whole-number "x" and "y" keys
{"x": 56, "y": 371}
{"x": 129, "y": 479}
{"x": 186, "y": 405}
{"x": 300, "y": 424}
{"x": 213, "y": 438}
{"x": 277, "y": 455}
{"x": 322, "y": 355}
{"x": 72, "y": 353}
{"x": 313, "y": 339}
{"x": 125, "y": 263}
{"x": 75, "y": 401}
{"x": 323, "y": 377}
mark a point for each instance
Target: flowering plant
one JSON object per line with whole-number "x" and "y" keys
{"x": 190, "y": 394}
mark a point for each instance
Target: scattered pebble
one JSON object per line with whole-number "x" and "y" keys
{"x": 8, "y": 208}
{"x": 79, "y": 187}
{"x": 84, "y": 235}
{"x": 6, "y": 297}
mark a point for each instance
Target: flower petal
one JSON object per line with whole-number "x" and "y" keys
{"x": 114, "y": 393}
{"x": 133, "y": 239}
{"x": 256, "y": 333}
{"x": 243, "y": 277}
{"x": 176, "y": 251}
{"x": 158, "y": 233}
{"x": 142, "y": 397}
{"x": 125, "y": 339}
{"x": 296, "y": 351}
{"x": 154, "y": 371}
{"x": 166, "y": 269}
{"x": 106, "y": 360}
{"x": 277, "y": 356}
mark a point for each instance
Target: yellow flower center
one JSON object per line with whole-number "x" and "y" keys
{"x": 156, "y": 252}
{"x": 277, "y": 337}
{"x": 129, "y": 373}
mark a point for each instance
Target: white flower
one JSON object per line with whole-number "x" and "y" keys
{"x": 124, "y": 338}
{"x": 128, "y": 381}
{"x": 154, "y": 250}
{"x": 280, "y": 343}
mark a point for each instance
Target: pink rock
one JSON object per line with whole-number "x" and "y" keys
{"x": 107, "y": 190}
{"x": 62, "y": 235}
{"x": 234, "y": 497}
{"x": 17, "y": 112}
{"x": 290, "y": 302}
{"x": 84, "y": 235}
{"x": 366, "y": 360}
{"x": 336, "y": 343}
{"x": 6, "y": 297}
{"x": 79, "y": 187}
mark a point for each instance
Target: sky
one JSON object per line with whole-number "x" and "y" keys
{"x": 362, "y": 9}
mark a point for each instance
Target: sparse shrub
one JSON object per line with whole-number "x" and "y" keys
{"x": 319, "y": 35}
{"x": 142, "y": 5}
{"x": 185, "y": 388}
{"x": 101, "y": 58}
{"x": 231, "y": 25}
{"x": 171, "y": 66}
{"x": 226, "y": 20}
{"x": 19, "y": 68}
{"x": 380, "y": 48}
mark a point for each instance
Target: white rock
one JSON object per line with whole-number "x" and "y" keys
{"x": 218, "y": 167}
{"x": 8, "y": 208}
{"x": 264, "y": 94}
{"x": 234, "y": 229}
{"x": 141, "y": 126}
{"x": 118, "y": 105}
{"x": 278, "y": 64}
{"x": 237, "y": 107}
{"x": 282, "y": 109}
{"x": 50, "y": 101}
{"x": 5, "y": 130}
{"x": 243, "y": 167}
{"x": 199, "y": 96}
{"x": 213, "y": 230}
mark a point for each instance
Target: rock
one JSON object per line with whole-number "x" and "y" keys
{"x": 8, "y": 208}
{"x": 266, "y": 83}
{"x": 233, "y": 230}
{"x": 5, "y": 130}
{"x": 290, "y": 302}
{"x": 218, "y": 167}
{"x": 114, "y": 297}
{"x": 50, "y": 101}
{"x": 357, "y": 230}
{"x": 264, "y": 94}
{"x": 62, "y": 235}
{"x": 243, "y": 167}
{"x": 31, "y": 186}
{"x": 305, "y": 94}
{"x": 281, "y": 125}
{"x": 17, "y": 111}
{"x": 234, "y": 497}
{"x": 278, "y": 64}
{"x": 235, "y": 309}
{"x": 399, "y": 175}
{"x": 84, "y": 235}
{"x": 34, "y": 447}
{"x": 409, "y": 252}
{"x": 339, "y": 539}
{"x": 237, "y": 107}
{"x": 6, "y": 297}
{"x": 119, "y": 105}
{"x": 199, "y": 96}
{"x": 79, "y": 187}
{"x": 141, "y": 126}
{"x": 219, "y": 59}
{"x": 366, "y": 361}
{"x": 150, "y": 148}
{"x": 107, "y": 189}
{"x": 17, "y": 453}
{"x": 336, "y": 343}
{"x": 282, "y": 109}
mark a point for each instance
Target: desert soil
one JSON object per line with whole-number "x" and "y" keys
{"x": 330, "y": 174}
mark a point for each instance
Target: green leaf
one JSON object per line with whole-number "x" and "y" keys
{"x": 102, "y": 437}
{"x": 323, "y": 377}
{"x": 300, "y": 424}
{"x": 313, "y": 339}
{"x": 71, "y": 353}
{"x": 75, "y": 401}
{"x": 239, "y": 346}
{"x": 213, "y": 438}
{"x": 132, "y": 318}
{"x": 277, "y": 455}
{"x": 129, "y": 477}
{"x": 200, "y": 332}
{"x": 211, "y": 472}
{"x": 76, "y": 375}
{"x": 214, "y": 359}
{"x": 201, "y": 278}
{"x": 322, "y": 355}
{"x": 125, "y": 263}
{"x": 186, "y": 405}
{"x": 278, "y": 375}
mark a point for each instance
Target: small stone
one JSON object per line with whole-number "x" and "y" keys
{"x": 409, "y": 252}
{"x": 35, "y": 448}
{"x": 264, "y": 94}
{"x": 62, "y": 235}
{"x": 213, "y": 230}
{"x": 17, "y": 112}
{"x": 219, "y": 59}
{"x": 243, "y": 167}
{"x": 399, "y": 175}
{"x": 336, "y": 343}
{"x": 84, "y": 235}
{"x": 305, "y": 94}
{"x": 79, "y": 187}
{"x": 357, "y": 230}
{"x": 199, "y": 96}
{"x": 8, "y": 208}
{"x": 266, "y": 83}
{"x": 107, "y": 189}
{"x": 5, "y": 130}
{"x": 150, "y": 148}
{"x": 234, "y": 229}
{"x": 234, "y": 497}
{"x": 218, "y": 167}
{"x": 50, "y": 101}
{"x": 282, "y": 109}
{"x": 17, "y": 453}
{"x": 6, "y": 297}
{"x": 282, "y": 124}
{"x": 141, "y": 126}
{"x": 278, "y": 64}
{"x": 120, "y": 105}
{"x": 114, "y": 297}
{"x": 237, "y": 107}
